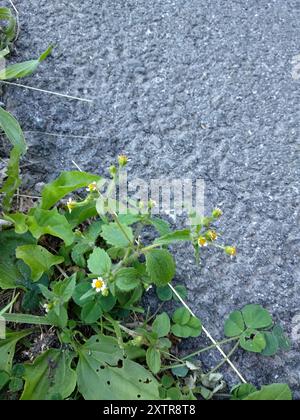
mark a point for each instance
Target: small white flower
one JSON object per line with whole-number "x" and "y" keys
{"x": 92, "y": 187}
{"x": 99, "y": 285}
{"x": 71, "y": 204}
{"x": 46, "y": 307}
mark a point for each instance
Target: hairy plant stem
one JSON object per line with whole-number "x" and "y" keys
{"x": 215, "y": 369}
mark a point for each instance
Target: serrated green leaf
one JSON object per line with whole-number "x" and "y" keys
{"x": 160, "y": 266}
{"x": 39, "y": 259}
{"x": 164, "y": 293}
{"x": 4, "y": 379}
{"x": 178, "y": 236}
{"x": 127, "y": 279}
{"x": 99, "y": 262}
{"x": 161, "y": 325}
{"x": 153, "y": 360}
{"x": 181, "y": 316}
{"x": 162, "y": 227}
{"x": 118, "y": 236}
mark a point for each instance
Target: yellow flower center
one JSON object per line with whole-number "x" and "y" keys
{"x": 99, "y": 284}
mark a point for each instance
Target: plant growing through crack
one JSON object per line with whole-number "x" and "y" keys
{"x": 78, "y": 269}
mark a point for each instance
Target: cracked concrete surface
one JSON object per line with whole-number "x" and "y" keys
{"x": 186, "y": 88}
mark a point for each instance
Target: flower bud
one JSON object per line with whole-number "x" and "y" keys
{"x": 230, "y": 250}
{"x": 123, "y": 160}
{"x": 217, "y": 213}
{"x": 211, "y": 235}
{"x": 113, "y": 170}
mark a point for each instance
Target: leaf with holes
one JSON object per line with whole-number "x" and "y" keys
{"x": 253, "y": 341}
{"x": 103, "y": 373}
{"x": 7, "y": 348}
{"x": 49, "y": 376}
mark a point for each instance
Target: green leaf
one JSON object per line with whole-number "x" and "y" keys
{"x": 234, "y": 326}
{"x": 103, "y": 373}
{"x": 185, "y": 324}
{"x": 256, "y": 317}
{"x": 38, "y": 259}
{"x": 17, "y": 71}
{"x": 50, "y": 374}
{"x": 15, "y": 385}
{"x": 10, "y": 275}
{"x": 127, "y": 279}
{"x": 167, "y": 381}
{"x": 253, "y": 341}
{"x": 181, "y": 316}
{"x": 164, "y": 293}
{"x": 4, "y": 379}
{"x": 153, "y": 360}
{"x": 80, "y": 291}
{"x": 65, "y": 184}
{"x": 161, "y": 325}
{"x": 64, "y": 289}
{"x": 9, "y": 30}
{"x": 58, "y": 316}
{"x": 242, "y": 391}
{"x": 91, "y": 312}
{"x": 272, "y": 345}
{"x": 179, "y": 235}
{"x": 13, "y": 131}
{"x": 19, "y": 220}
{"x": 181, "y": 371}
{"x": 43, "y": 222}
{"x": 27, "y": 319}
{"x": 283, "y": 341}
{"x": 162, "y": 227}
{"x": 118, "y": 236}
{"x": 182, "y": 291}
{"x": 174, "y": 394}
{"x": 274, "y": 392}
{"x": 99, "y": 262}
{"x": 160, "y": 266}
{"x": 7, "y": 348}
